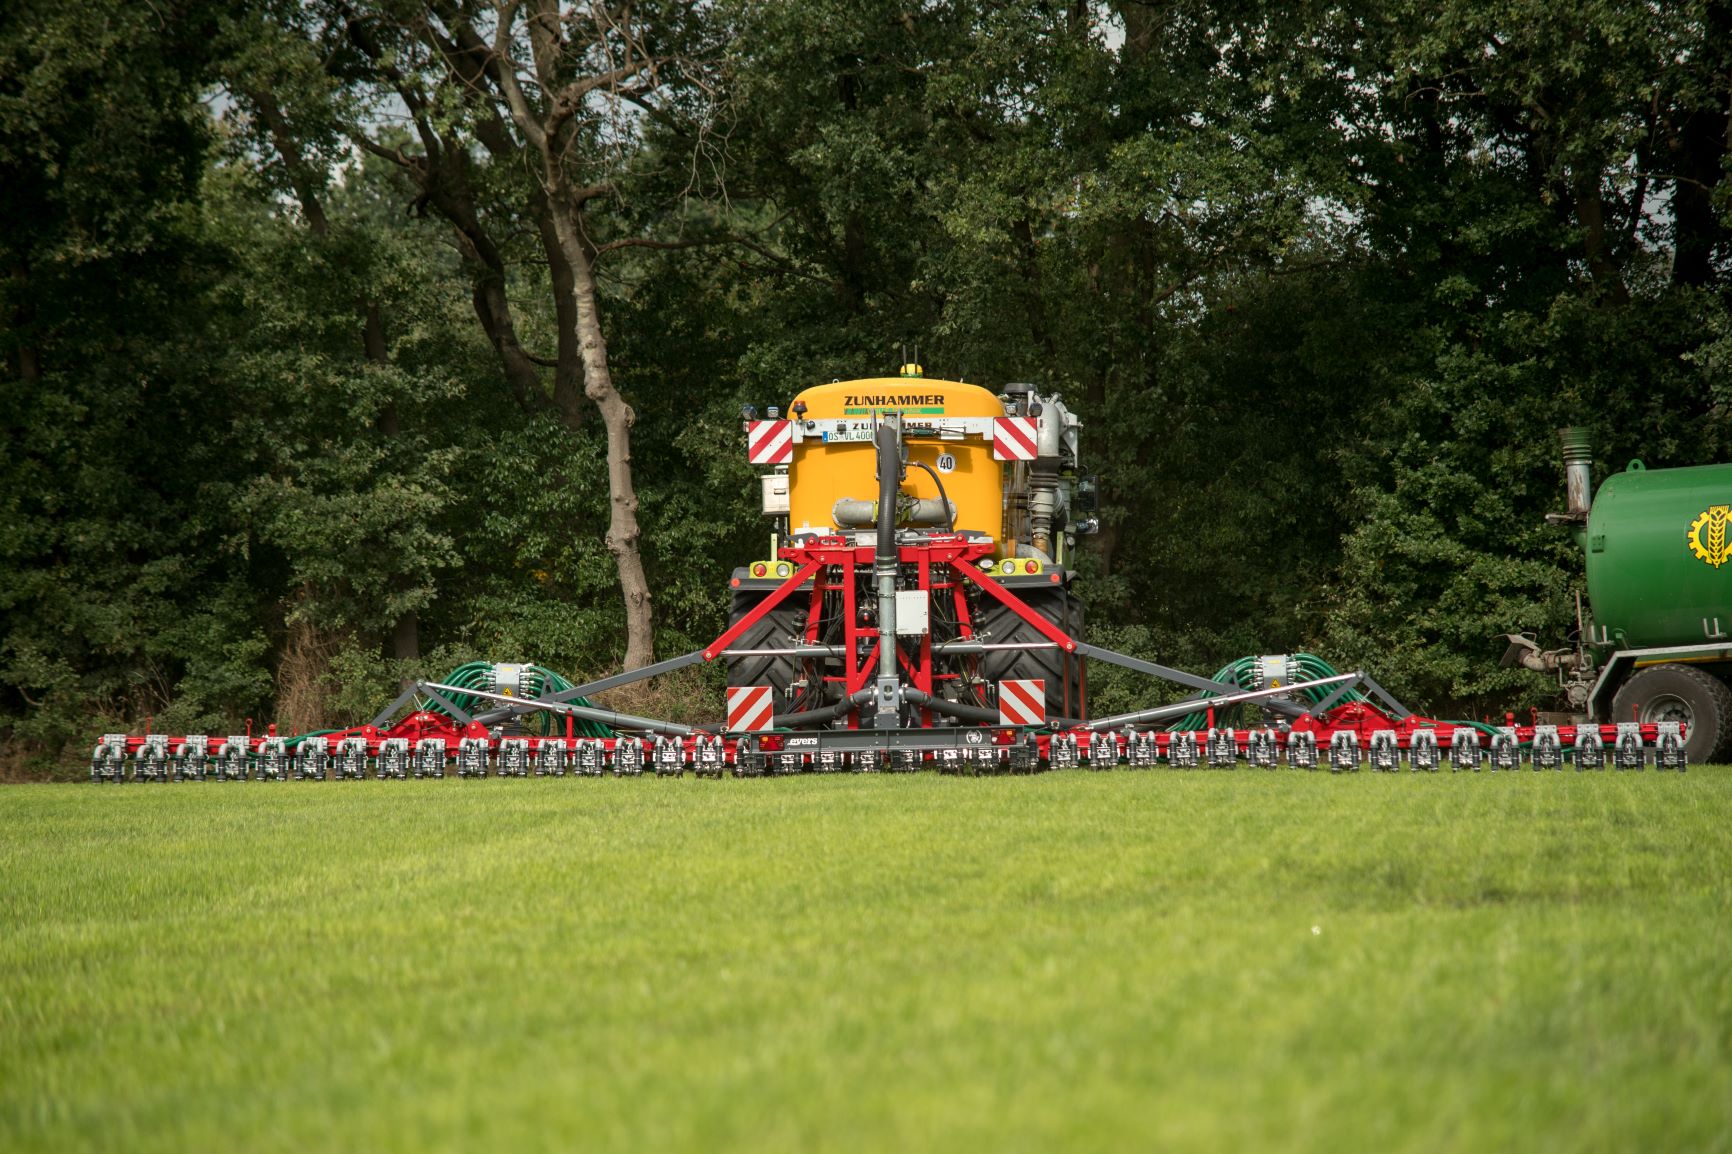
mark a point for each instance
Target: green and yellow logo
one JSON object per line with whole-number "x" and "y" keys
{"x": 1708, "y": 537}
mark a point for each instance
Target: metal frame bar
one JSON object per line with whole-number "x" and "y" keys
{"x": 589, "y": 687}
{"x": 411, "y": 693}
{"x": 1016, "y": 605}
{"x": 1398, "y": 710}
{"x": 760, "y": 610}
{"x": 385, "y": 715}
{"x": 1179, "y": 676}
{"x": 460, "y": 715}
{"x": 1180, "y": 708}
{"x": 923, "y": 662}
{"x": 867, "y": 740}
{"x": 588, "y": 713}
{"x": 1328, "y": 703}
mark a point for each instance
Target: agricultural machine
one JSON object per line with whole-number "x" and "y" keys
{"x": 914, "y": 611}
{"x": 1654, "y": 641}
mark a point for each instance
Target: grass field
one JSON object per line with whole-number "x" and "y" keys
{"x": 1151, "y": 960}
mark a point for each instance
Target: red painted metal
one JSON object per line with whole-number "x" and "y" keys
{"x": 942, "y": 565}
{"x": 936, "y": 561}
{"x": 1366, "y": 723}
{"x": 770, "y": 743}
{"x": 1015, "y": 604}
{"x": 758, "y": 612}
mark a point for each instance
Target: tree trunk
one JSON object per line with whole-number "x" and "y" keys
{"x": 1142, "y": 29}
{"x": 373, "y": 340}
{"x": 493, "y": 309}
{"x": 304, "y": 670}
{"x": 305, "y": 185}
{"x": 568, "y": 367}
{"x": 1698, "y": 157}
{"x": 447, "y": 187}
{"x": 617, "y": 418}
{"x": 1591, "y": 215}
{"x": 29, "y": 361}
{"x": 550, "y": 130}
{"x": 406, "y": 633}
{"x": 406, "y": 637}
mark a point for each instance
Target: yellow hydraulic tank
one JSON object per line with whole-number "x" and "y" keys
{"x": 825, "y": 471}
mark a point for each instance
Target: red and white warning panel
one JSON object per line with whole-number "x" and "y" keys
{"x": 751, "y": 708}
{"x": 1020, "y": 702}
{"x": 1013, "y": 438}
{"x": 770, "y": 442}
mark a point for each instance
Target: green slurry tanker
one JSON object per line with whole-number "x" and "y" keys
{"x": 1655, "y": 640}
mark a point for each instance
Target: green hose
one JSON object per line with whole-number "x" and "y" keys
{"x": 1242, "y": 674}
{"x": 1310, "y": 667}
{"x": 537, "y": 681}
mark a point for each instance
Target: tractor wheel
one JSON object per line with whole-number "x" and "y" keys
{"x": 775, "y": 630}
{"x": 1058, "y": 605}
{"x": 1677, "y": 692}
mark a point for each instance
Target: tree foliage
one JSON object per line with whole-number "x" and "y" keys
{"x": 304, "y": 392}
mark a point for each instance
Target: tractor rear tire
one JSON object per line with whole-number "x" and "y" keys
{"x": 1061, "y": 607}
{"x": 775, "y": 630}
{"x": 1687, "y": 693}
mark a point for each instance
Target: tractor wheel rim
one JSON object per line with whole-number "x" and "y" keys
{"x": 1666, "y": 707}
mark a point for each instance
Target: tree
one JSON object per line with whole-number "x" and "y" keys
{"x": 536, "y": 115}
{"x": 335, "y": 362}
{"x": 1001, "y": 186}
{"x": 260, "y": 66}
{"x": 116, "y": 588}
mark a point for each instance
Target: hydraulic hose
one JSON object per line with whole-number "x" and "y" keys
{"x": 478, "y": 675}
{"x": 889, "y": 480}
{"x": 1310, "y": 667}
{"x": 973, "y": 713}
{"x": 823, "y": 713}
{"x": 950, "y": 510}
{"x": 1242, "y": 674}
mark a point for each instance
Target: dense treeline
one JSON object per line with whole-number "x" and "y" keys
{"x": 347, "y": 340}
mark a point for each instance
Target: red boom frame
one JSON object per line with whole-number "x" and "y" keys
{"x": 943, "y": 564}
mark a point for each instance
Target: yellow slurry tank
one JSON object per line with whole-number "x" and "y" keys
{"x": 834, "y": 460}
{"x": 853, "y": 595}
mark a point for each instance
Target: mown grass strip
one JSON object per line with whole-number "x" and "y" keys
{"x": 1075, "y": 960}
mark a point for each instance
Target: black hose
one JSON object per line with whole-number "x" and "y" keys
{"x": 889, "y": 481}
{"x": 961, "y": 712}
{"x": 823, "y": 713}
{"x": 949, "y": 509}
{"x": 887, "y": 437}
{"x": 809, "y": 717}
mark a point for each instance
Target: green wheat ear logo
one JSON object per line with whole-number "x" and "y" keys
{"x": 1707, "y": 536}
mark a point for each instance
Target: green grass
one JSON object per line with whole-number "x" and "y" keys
{"x": 1154, "y": 960}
